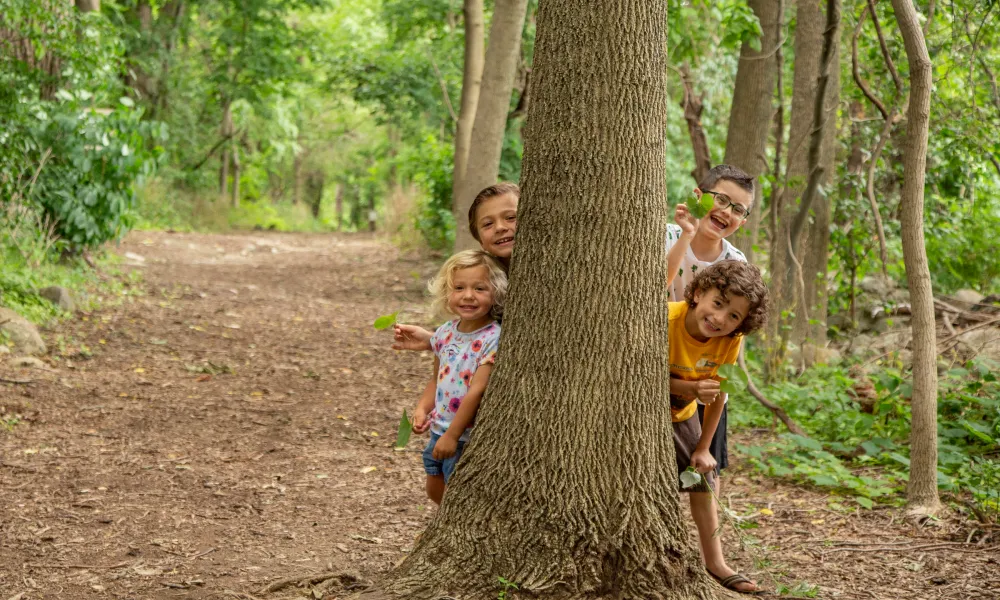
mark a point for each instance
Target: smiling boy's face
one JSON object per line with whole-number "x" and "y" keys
{"x": 722, "y": 222}
{"x": 714, "y": 315}
{"x": 496, "y": 223}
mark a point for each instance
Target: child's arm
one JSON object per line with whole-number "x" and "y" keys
{"x": 706, "y": 390}
{"x": 689, "y": 225}
{"x": 702, "y": 459}
{"x": 447, "y": 444}
{"x": 425, "y": 405}
{"x": 411, "y": 337}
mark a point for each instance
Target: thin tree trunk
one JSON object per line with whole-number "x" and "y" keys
{"x": 236, "y": 175}
{"x": 568, "y": 487}
{"x": 340, "y": 206}
{"x": 502, "y": 55}
{"x": 749, "y": 117}
{"x": 226, "y": 129}
{"x": 88, "y": 5}
{"x": 921, "y": 491}
{"x": 297, "y": 176}
{"x": 811, "y": 155}
{"x": 693, "y": 107}
{"x": 472, "y": 78}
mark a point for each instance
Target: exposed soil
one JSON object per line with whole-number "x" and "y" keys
{"x": 232, "y": 426}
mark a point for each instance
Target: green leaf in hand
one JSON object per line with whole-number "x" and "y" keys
{"x": 386, "y": 321}
{"x": 700, "y": 207}
{"x": 735, "y": 379}
{"x": 405, "y": 428}
{"x": 690, "y": 478}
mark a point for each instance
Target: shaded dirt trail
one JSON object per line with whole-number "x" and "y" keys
{"x": 223, "y": 435}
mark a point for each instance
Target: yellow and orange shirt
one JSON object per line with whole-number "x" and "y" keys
{"x": 692, "y": 360}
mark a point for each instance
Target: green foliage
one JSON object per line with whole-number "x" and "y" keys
{"x": 821, "y": 401}
{"x": 404, "y": 431}
{"x": 430, "y": 166}
{"x": 86, "y": 187}
{"x": 506, "y": 587}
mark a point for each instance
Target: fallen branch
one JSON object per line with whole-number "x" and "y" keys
{"x": 774, "y": 408}
{"x": 76, "y": 566}
{"x": 16, "y": 381}
{"x": 934, "y": 546}
{"x": 309, "y": 579}
{"x": 970, "y": 328}
{"x": 16, "y": 466}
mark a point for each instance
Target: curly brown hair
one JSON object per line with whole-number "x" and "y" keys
{"x": 739, "y": 278}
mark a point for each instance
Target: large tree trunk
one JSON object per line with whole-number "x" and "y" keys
{"x": 798, "y": 281}
{"x": 750, "y": 115}
{"x": 568, "y": 487}
{"x": 502, "y": 56}
{"x": 921, "y": 491}
{"x": 472, "y": 78}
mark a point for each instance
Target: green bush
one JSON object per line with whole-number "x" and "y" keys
{"x": 865, "y": 454}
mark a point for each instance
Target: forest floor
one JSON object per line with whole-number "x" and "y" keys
{"x": 231, "y": 426}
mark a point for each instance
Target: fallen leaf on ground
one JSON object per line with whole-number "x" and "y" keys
{"x": 368, "y": 469}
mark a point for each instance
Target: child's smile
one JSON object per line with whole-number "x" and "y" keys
{"x": 496, "y": 223}
{"x": 714, "y": 315}
{"x": 471, "y": 296}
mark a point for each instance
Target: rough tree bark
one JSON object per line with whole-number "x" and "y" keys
{"x": 568, "y": 487}
{"x": 750, "y": 115}
{"x": 502, "y": 55}
{"x": 816, "y": 45}
{"x": 472, "y": 77}
{"x": 921, "y": 491}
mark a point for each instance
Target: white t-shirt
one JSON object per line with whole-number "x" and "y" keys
{"x": 690, "y": 263}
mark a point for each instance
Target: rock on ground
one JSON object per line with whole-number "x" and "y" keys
{"x": 23, "y": 335}
{"x": 59, "y": 296}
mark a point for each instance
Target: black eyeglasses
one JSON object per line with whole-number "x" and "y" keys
{"x": 723, "y": 201}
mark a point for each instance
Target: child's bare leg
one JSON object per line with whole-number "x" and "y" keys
{"x": 435, "y": 488}
{"x": 706, "y": 517}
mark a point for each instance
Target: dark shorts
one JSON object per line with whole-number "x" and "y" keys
{"x": 686, "y": 436}
{"x": 435, "y": 467}
{"x": 719, "y": 448}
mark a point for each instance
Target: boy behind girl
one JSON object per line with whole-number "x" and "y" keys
{"x": 724, "y": 302}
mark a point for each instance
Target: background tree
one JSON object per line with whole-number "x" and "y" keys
{"x": 491, "y": 113}
{"x": 750, "y": 115}
{"x": 922, "y": 491}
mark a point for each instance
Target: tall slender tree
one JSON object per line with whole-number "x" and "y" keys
{"x": 502, "y": 57}
{"x": 568, "y": 487}
{"x": 750, "y": 115}
{"x": 921, "y": 491}
{"x": 472, "y": 77}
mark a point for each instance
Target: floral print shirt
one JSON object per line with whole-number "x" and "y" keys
{"x": 459, "y": 355}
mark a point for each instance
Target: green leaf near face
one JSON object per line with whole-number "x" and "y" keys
{"x": 700, "y": 207}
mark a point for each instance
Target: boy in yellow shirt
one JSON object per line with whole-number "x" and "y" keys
{"x": 723, "y": 303}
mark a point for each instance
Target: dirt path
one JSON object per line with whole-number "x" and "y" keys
{"x": 223, "y": 434}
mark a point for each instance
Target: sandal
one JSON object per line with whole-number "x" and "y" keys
{"x": 733, "y": 580}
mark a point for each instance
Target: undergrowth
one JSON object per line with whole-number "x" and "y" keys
{"x": 863, "y": 454}
{"x": 21, "y": 280}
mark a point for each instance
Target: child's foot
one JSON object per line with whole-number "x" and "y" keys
{"x": 737, "y": 582}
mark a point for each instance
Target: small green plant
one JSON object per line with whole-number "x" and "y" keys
{"x": 506, "y": 587}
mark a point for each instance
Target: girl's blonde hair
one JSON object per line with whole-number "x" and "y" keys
{"x": 444, "y": 283}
